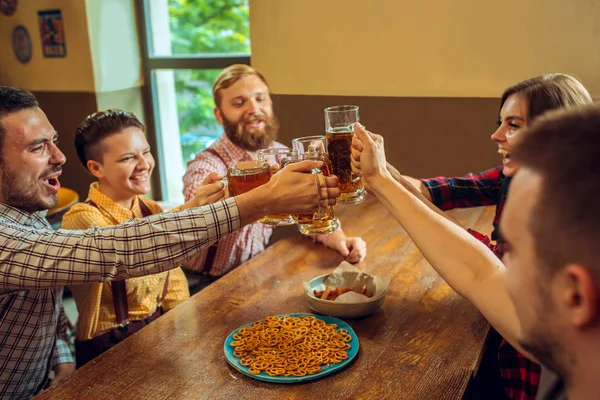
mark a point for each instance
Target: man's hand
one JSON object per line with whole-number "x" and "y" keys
{"x": 210, "y": 191}
{"x": 61, "y": 371}
{"x": 292, "y": 190}
{"x": 299, "y": 191}
{"x": 353, "y": 249}
{"x": 368, "y": 156}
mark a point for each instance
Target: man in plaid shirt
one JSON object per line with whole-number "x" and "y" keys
{"x": 243, "y": 107}
{"x": 36, "y": 262}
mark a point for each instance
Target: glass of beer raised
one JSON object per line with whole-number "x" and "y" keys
{"x": 247, "y": 175}
{"x": 279, "y": 157}
{"x": 339, "y": 130}
{"x": 313, "y": 148}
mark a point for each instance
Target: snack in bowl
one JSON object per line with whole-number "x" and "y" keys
{"x": 332, "y": 293}
{"x": 290, "y": 346}
{"x": 366, "y": 295}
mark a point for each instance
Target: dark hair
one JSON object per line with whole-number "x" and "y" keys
{"x": 563, "y": 146}
{"x": 549, "y": 92}
{"x": 98, "y": 126}
{"x": 12, "y": 100}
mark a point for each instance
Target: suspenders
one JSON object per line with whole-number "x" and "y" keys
{"x": 118, "y": 288}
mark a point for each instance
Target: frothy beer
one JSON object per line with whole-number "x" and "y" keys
{"x": 247, "y": 176}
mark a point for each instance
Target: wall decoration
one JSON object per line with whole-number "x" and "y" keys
{"x": 8, "y": 7}
{"x": 52, "y": 32}
{"x": 21, "y": 43}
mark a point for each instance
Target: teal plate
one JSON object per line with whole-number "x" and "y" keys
{"x": 352, "y": 352}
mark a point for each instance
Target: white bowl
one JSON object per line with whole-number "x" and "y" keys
{"x": 337, "y": 309}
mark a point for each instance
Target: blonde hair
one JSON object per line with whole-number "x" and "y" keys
{"x": 231, "y": 75}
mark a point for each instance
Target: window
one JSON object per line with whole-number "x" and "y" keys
{"x": 186, "y": 44}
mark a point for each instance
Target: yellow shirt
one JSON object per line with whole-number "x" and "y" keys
{"x": 95, "y": 301}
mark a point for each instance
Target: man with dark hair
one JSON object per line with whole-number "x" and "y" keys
{"x": 545, "y": 302}
{"x": 36, "y": 262}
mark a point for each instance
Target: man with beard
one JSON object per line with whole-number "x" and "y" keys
{"x": 36, "y": 262}
{"x": 546, "y": 301}
{"x": 243, "y": 107}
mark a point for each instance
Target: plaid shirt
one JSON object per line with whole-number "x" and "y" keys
{"x": 520, "y": 376}
{"x": 240, "y": 246}
{"x": 36, "y": 262}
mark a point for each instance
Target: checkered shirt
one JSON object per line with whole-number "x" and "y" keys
{"x": 240, "y": 246}
{"x": 36, "y": 262}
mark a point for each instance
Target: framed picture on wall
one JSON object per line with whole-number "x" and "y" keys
{"x": 52, "y": 33}
{"x": 8, "y": 7}
{"x": 21, "y": 43}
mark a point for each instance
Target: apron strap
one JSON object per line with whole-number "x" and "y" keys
{"x": 119, "y": 289}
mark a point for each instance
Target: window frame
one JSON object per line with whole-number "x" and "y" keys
{"x": 151, "y": 63}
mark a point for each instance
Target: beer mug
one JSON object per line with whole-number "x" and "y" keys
{"x": 313, "y": 148}
{"x": 339, "y": 130}
{"x": 280, "y": 157}
{"x": 247, "y": 175}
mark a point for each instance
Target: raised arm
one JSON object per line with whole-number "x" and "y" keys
{"x": 414, "y": 182}
{"x": 34, "y": 258}
{"x": 417, "y": 188}
{"x": 465, "y": 263}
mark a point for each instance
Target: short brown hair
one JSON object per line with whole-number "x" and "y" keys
{"x": 96, "y": 127}
{"x": 549, "y": 92}
{"x": 563, "y": 146}
{"x": 231, "y": 75}
{"x": 13, "y": 99}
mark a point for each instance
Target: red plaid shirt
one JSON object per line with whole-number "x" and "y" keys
{"x": 243, "y": 244}
{"x": 520, "y": 376}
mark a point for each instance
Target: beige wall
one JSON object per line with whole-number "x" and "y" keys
{"x": 102, "y": 68}
{"x": 114, "y": 44}
{"x": 103, "y": 52}
{"x": 443, "y": 48}
{"x": 70, "y": 74}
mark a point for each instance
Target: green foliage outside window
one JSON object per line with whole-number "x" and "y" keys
{"x": 203, "y": 27}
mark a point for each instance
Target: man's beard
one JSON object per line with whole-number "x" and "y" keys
{"x": 547, "y": 350}
{"x": 252, "y": 141}
{"x": 542, "y": 341}
{"x": 22, "y": 195}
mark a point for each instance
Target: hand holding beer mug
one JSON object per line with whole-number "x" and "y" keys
{"x": 368, "y": 156}
{"x": 287, "y": 191}
{"x": 339, "y": 129}
{"x": 278, "y": 157}
{"x": 211, "y": 190}
{"x": 313, "y": 148}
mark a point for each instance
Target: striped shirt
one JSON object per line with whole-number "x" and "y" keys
{"x": 245, "y": 243}
{"x": 36, "y": 262}
{"x": 95, "y": 301}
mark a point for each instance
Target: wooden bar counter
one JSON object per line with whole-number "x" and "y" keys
{"x": 423, "y": 343}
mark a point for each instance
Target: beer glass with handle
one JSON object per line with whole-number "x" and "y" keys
{"x": 247, "y": 175}
{"x": 339, "y": 130}
{"x": 314, "y": 148}
{"x": 279, "y": 157}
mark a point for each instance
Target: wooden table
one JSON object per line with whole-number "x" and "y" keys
{"x": 423, "y": 344}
